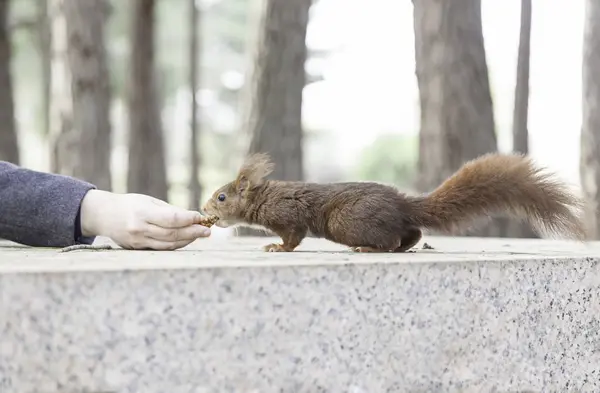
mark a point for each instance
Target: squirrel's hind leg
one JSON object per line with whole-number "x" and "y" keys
{"x": 410, "y": 238}
{"x": 369, "y": 249}
{"x": 389, "y": 247}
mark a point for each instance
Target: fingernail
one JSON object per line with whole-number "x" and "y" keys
{"x": 205, "y": 231}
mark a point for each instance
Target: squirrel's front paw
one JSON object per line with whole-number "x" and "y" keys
{"x": 273, "y": 247}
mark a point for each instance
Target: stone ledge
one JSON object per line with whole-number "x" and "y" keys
{"x": 473, "y": 315}
{"x": 246, "y": 252}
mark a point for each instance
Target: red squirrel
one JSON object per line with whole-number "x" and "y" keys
{"x": 372, "y": 217}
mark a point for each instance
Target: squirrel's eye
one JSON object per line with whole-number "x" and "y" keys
{"x": 221, "y": 197}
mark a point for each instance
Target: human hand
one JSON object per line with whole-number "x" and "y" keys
{"x": 136, "y": 221}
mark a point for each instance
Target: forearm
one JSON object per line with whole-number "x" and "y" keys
{"x": 40, "y": 209}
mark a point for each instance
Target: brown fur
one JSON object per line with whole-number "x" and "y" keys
{"x": 372, "y": 217}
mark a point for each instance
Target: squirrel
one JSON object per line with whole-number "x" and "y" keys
{"x": 373, "y": 217}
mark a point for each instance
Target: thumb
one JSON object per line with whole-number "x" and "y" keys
{"x": 172, "y": 217}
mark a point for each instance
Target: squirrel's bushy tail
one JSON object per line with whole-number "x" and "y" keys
{"x": 503, "y": 184}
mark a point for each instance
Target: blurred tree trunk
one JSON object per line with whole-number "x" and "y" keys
{"x": 275, "y": 107}
{"x": 9, "y": 146}
{"x": 590, "y": 132}
{"x": 81, "y": 92}
{"x": 275, "y": 110}
{"x": 194, "y": 186}
{"x": 147, "y": 161}
{"x": 521, "y": 107}
{"x": 63, "y": 138}
{"x": 45, "y": 42}
{"x": 457, "y": 118}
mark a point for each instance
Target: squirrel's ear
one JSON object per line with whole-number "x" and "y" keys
{"x": 254, "y": 170}
{"x": 242, "y": 183}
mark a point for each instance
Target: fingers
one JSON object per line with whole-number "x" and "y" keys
{"x": 159, "y": 245}
{"x": 171, "y": 217}
{"x": 157, "y": 238}
{"x": 188, "y": 233}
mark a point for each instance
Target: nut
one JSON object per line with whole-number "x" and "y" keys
{"x": 208, "y": 221}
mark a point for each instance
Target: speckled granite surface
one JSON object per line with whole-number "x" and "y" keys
{"x": 520, "y": 316}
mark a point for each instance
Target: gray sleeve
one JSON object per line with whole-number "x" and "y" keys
{"x": 40, "y": 209}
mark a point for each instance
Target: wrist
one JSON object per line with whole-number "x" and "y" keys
{"x": 93, "y": 212}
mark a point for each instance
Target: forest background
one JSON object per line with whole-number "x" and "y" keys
{"x": 166, "y": 97}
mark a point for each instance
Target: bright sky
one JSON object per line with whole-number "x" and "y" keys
{"x": 371, "y": 87}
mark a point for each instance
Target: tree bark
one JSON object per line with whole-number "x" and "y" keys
{"x": 81, "y": 92}
{"x": 45, "y": 42}
{"x": 457, "y": 118}
{"x": 590, "y": 132}
{"x": 9, "y": 144}
{"x": 194, "y": 186}
{"x": 147, "y": 162}
{"x": 521, "y": 107}
{"x": 275, "y": 110}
